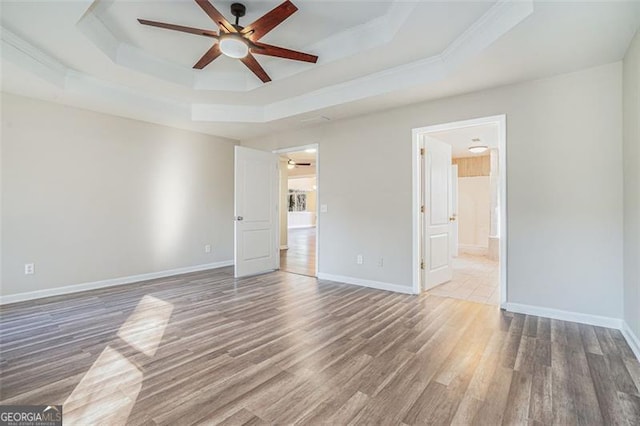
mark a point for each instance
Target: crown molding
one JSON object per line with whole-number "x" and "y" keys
{"x": 27, "y": 56}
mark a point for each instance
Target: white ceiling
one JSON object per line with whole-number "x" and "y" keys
{"x": 460, "y": 139}
{"x": 373, "y": 55}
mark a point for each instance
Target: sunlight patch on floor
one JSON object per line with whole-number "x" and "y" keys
{"x": 144, "y": 328}
{"x": 108, "y": 391}
{"x": 98, "y": 398}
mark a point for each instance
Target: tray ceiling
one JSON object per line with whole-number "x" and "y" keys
{"x": 372, "y": 55}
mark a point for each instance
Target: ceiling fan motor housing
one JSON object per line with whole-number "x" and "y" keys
{"x": 238, "y": 10}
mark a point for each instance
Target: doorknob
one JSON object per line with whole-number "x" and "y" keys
{"x": 452, "y": 218}
{"x": 239, "y": 218}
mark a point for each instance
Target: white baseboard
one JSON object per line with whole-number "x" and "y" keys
{"x": 631, "y": 338}
{"x": 39, "y": 294}
{"x": 366, "y": 283}
{"x": 564, "y": 315}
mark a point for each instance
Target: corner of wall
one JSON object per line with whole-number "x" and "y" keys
{"x": 631, "y": 185}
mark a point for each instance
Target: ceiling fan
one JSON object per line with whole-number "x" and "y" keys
{"x": 240, "y": 42}
{"x": 291, "y": 164}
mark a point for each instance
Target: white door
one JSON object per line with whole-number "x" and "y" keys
{"x": 256, "y": 212}
{"x": 437, "y": 197}
{"x": 454, "y": 210}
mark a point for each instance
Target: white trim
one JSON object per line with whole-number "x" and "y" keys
{"x": 564, "y": 315}
{"x": 27, "y": 56}
{"x": 501, "y": 120}
{"x": 502, "y": 239}
{"x": 285, "y": 247}
{"x": 631, "y": 338}
{"x": 379, "y": 285}
{"x": 415, "y": 211}
{"x": 39, "y": 294}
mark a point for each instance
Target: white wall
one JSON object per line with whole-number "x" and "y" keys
{"x": 302, "y": 183}
{"x": 88, "y": 196}
{"x": 474, "y": 208}
{"x": 632, "y": 186}
{"x": 565, "y": 217}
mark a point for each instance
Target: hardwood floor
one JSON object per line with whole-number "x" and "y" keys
{"x": 300, "y": 257}
{"x": 283, "y": 348}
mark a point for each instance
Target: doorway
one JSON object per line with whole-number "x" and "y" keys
{"x": 299, "y": 210}
{"x": 460, "y": 210}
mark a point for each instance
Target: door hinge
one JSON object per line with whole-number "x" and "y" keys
{"x": 422, "y": 151}
{"x": 421, "y": 209}
{"x": 422, "y": 264}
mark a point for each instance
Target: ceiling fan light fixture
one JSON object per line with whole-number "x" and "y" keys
{"x": 477, "y": 147}
{"x": 234, "y": 46}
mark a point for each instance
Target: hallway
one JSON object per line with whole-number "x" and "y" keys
{"x": 300, "y": 258}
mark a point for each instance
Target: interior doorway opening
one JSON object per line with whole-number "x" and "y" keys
{"x": 299, "y": 210}
{"x": 460, "y": 210}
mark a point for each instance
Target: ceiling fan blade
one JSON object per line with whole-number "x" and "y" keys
{"x": 281, "y": 52}
{"x": 191, "y": 30}
{"x": 216, "y": 16}
{"x": 253, "y": 65}
{"x": 269, "y": 21}
{"x": 208, "y": 57}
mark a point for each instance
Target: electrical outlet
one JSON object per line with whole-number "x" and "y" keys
{"x": 29, "y": 269}
{"x": 207, "y": 248}
{"x": 380, "y": 262}
{"x": 359, "y": 259}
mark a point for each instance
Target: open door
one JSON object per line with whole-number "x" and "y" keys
{"x": 437, "y": 186}
{"x": 256, "y": 212}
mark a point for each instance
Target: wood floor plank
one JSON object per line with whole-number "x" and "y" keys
{"x": 563, "y": 402}
{"x": 290, "y": 349}
{"x": 610, "y": 406}
{"x": 540, "y": 403}
{"x": 517, "y": 407}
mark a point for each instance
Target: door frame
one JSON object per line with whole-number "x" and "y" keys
{"x": 417, "y": 134}
{"x": 298, "y": 148}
